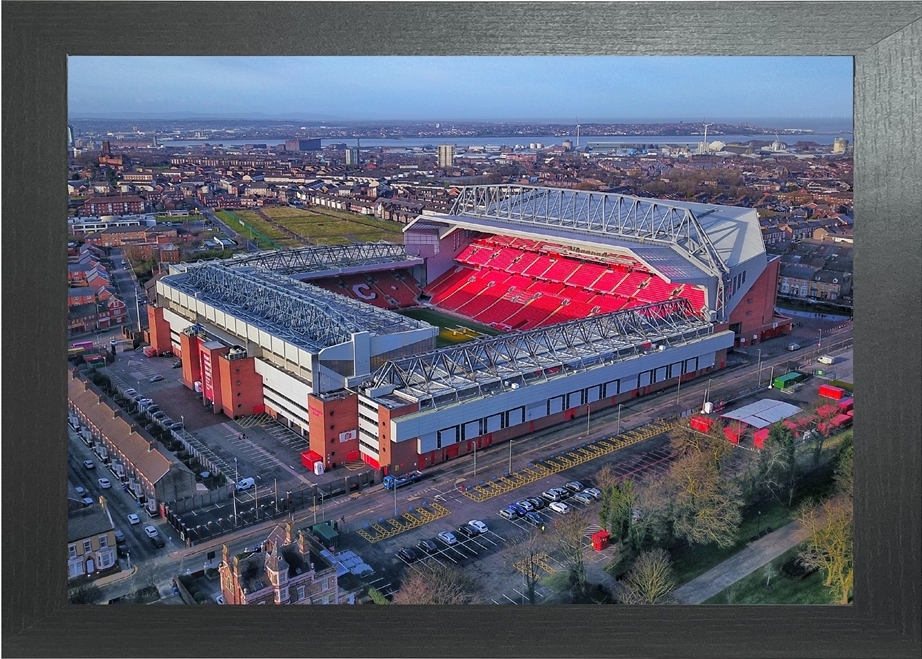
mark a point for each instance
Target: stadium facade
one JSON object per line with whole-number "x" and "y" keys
{"x": 591, "y": 299}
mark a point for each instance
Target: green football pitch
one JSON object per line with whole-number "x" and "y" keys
{"x": 451, "y": 330}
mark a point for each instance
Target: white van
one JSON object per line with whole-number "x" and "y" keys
{"x": 826, "y": 359}
{"x": 245, "y": 484}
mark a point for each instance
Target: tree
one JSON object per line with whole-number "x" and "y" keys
{"x": 529, "y": 556}
{"x": 569, "y": 536}
{"x": 831, "y": 542}
{"x": 88, "y": 593}
{"x": 376, "y": 596}
{"x": 650, "y": 579}
{"x": 704, "y": 506}
{"x": 615, "y": 513}
{"x": 776, "y": 468}
{"x": 438, "y": 584}
{"x": 844, "y": 474}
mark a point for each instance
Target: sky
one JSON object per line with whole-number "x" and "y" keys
{"x": 506, "y": 88}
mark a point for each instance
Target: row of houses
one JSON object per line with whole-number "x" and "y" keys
{"x": 92, "y": 303}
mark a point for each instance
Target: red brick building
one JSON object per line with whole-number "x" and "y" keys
{"x": 113, "y": 205}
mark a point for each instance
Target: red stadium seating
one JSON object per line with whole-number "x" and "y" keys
{"x": 538, "y": 268}
{"x": 560, "y": 270}
{"x": 609, "y": 281}
{"x": 585, "y": 275}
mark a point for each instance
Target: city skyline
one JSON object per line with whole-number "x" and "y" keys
{"x": 545, "y": 88}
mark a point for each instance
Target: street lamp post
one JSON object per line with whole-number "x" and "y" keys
{"x": 395, "y": 499}
{"x": 759, "y": 527}
{"x": 619, "y": 418}
{"x": 475, "y": 457}
{"x": 760, "y": 368}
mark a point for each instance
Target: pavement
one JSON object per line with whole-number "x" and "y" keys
{"x": 740, "y": 565}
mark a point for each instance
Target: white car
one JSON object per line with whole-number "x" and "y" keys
{"x": 133, "y": 519}
{"x": 480, "y": 526}
{"x": 448, "y": 538}
{"x": 560, "y": 507}
{"x": 593, "y": 492}
{"x": 245, "y": 484}
{"x": 104, "y": 483}
{"x": 151, "y": 531}
{"x": 80, "y": 491}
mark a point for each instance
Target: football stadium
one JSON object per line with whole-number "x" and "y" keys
{"x": 521, "y": 308}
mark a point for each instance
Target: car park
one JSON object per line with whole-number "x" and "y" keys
{"x": 119, "y": 537}
{"x": 104, "y": 483}
{"x": 551, "y": 495}
{"x": 133, "y": 519}
{"x": 156, "y": 378}
{"x": 560, "y": 507}
{"x": 526, "y": 505}
{"x": 151, "y": 531}
{"x": 535, "y": 519}
{"x": 407, "y": 554}
{"x": 245, "y": 484}
{"x": 427, "y": 546}
{"x": 593, "y": 492}
{"x": 575, "y": 486}
{"x": 538, "y": 503}
{"x": 508, "y": 513}
{"x": 480, "y": 526}
{"x": 448, "y": 538}
{"x": 583, "y": 498}
{"x": 89, "y": 464}
{"x": 468, "y": 531}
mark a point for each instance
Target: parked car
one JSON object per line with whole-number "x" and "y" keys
{"x": 560, "y": 507}
{"x": 468, "y": 530}
{"x": 80, "y": 490}
{"x": 89, "y": 464}
{"x": 518, "y": 509}
{"x": 122, "y": 551}
{"x": 156, "y": 378}
{"x": 119, "y": 537}
{"x": 87, "y": 501}
{"x": 574, "y": 486}
{"x": 593, "y": 492}
{"x": 551, "y": 495}
{"x": 130, "y": 392}
{"x": 535, "y": 519}
{"x": 538, "y": 503}
{"x": 157, "y": 541}
{"x": 427, "y": 546}
{"x": 166, "y": 423}
{"x": 448, "y": 538}
{"x": 526, "y": 504}
{"x": 133, "y": 519}
{"x": 245, "y": 484}
{"x": 508, "y": 513}
{"x": 407, "y": 554}
{"x": 104, "y": 483}
{"x": 826, "y": 359}
{"x": 177, "y": 363}
{"x": 158, "y": 415}
{"x": 793, "y": 346}
{"x": 480, "y": 526}
{"x": 583, "y": 498}
{"x": 151, "y": 531}
{"x": 563, "y": 492}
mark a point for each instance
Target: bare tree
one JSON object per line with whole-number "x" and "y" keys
{"x": 437, "y": 584}
{"x": 830, "y": 545}
{"x": 529, "y": 556}
{"x": 650, "y": 579}
{"x": 87, "y": 593}
{"x": 570, "y": 538}
{"x": 704, "y": 506}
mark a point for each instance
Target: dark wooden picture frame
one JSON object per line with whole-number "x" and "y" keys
{"x": 885, "y": 39}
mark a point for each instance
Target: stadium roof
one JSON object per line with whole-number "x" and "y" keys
{"x": 509, "y": 361}
{"x": 319, "y": 259}
{"x": 302, "y": 314}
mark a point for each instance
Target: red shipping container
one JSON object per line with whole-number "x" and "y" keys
{"x": 308, "y": 458}
{"x": 759, "y": 437}
{"x": 829, "y": 391}
{"x": 846, "y": 404}
{"x": 842, "y": 421}
{"x": 701, "y": 423}
{"x": 732, "y": 434}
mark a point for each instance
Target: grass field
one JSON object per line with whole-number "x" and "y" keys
{"x": 452, "y": 330}
{"x": 332, "y": 227}
{"x": 768, "y": 586}
{"x": 260, "y": 225}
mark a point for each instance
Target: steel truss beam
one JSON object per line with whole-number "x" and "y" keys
{"x": 602, "y": 213}
{"x": 495, "y": 364}
{"x": 323, "y": 257}
{"x": 303, "y": 314}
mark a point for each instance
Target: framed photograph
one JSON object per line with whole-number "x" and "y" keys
{"x": 885, "y": 41}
